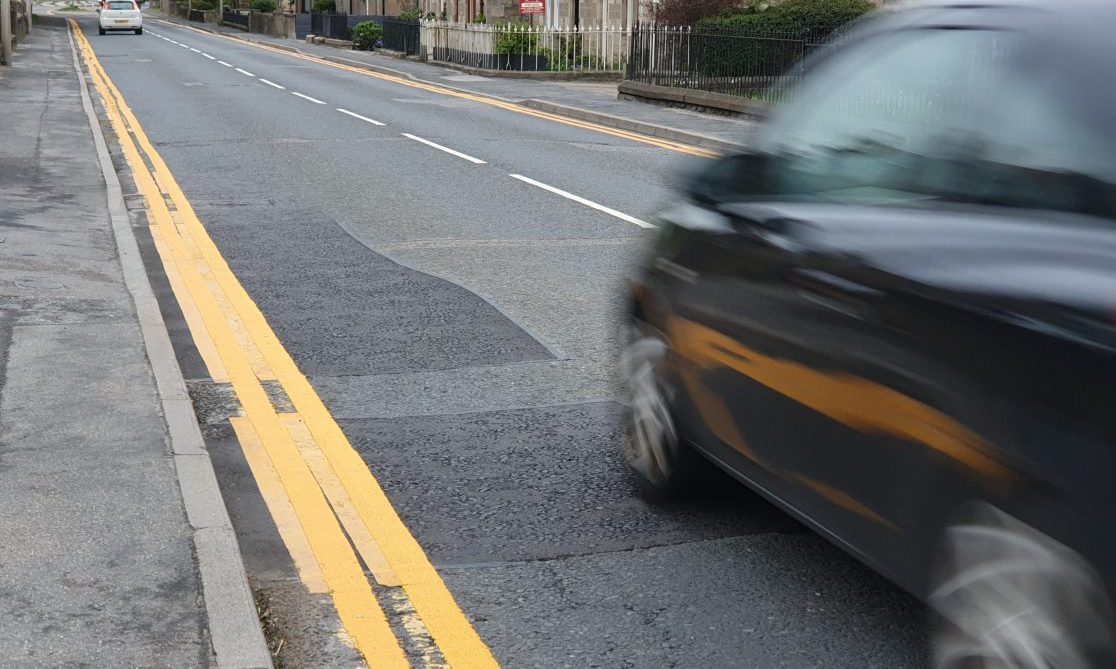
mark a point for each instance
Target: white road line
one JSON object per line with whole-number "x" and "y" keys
{"x": 307, "y": 97}
{"x": 208, "y": 56}
{"x": 580, "y": 200}
{"x": 273, "y": 84}
{"x": 245, "y": 72}
{"x": 224, "y": 63}
{"x": 355, "y": 115}
{"x": 183, "y": 46}
{"x": 448, "y": 150}
{"x": 194, "y": 50}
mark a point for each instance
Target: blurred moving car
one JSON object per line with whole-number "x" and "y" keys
{"x": 896, "y": 318}
{"x": 120, "y": 15}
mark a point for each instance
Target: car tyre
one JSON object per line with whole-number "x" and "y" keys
{"x": 100, "y": 31}
{"x": 1006, "y": 596}
{"x": 664, "y": 466}
{"x": 139, "y": 31}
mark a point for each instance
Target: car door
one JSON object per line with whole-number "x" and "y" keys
{"x": 812, "y": 324}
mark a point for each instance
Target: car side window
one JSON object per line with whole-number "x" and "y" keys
{"x": 937, "y": 114}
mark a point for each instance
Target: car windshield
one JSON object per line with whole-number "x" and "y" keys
{"x": 971, "y": 116}
{"x": 121, "y": 5}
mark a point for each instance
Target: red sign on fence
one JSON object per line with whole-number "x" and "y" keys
{"x": 532, "y": 7}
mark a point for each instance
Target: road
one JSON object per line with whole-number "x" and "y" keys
{"x": 447, "y": 274}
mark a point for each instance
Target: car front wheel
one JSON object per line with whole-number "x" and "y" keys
{"x": 1009, "y": 597}
{"x": 663, "y": 465}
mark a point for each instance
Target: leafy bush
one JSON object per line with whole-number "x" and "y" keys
{"x": 564, "y": 56}
{"x": 760, "y": 43}
{"x": 324, "y": 6}
{"x": 266, "y": 6}
{"x": 480, "y": 18}
{"x": 689, "y": 12}
{"x": 368, "y": 35}
{"x": 791, "y": 15}
{"x": 204, "y": 5}
{"x": 514, "y": 39}
{"x": 412, "y": 13}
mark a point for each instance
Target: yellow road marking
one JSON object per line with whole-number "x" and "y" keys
{"x": 202, "y": 341}
{"x": 279, "y": 505}
{"x": 476, "y": 97}
{"x": 356, "y": 605}
{"x": 342, "y": 506}
{"x": 352, "y": 595}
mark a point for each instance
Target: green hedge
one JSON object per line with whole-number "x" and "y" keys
{"x": 324, "y": 6}
{"x": 791, "y": 15}
{"x": 765, "y": 43}
{"x": 263, "y": 5}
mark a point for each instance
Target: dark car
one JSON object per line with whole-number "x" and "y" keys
{"x": 896, "y": 318}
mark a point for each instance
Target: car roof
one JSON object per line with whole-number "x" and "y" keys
{"x": 1064, "y": 8}
{"x": 1060, "y": 22}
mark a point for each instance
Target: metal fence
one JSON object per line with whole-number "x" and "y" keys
{"x": 401, "y": 35}
{"x": 196, "y": 15}
{"x": 232, "y": 17}
{"x": 525, "y": 47}
{"x": 754, "y": 65}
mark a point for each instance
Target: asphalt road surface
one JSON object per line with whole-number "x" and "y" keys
{"x": 458, "y": 321}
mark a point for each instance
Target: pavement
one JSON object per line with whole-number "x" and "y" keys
{"x": 116, "y": 548}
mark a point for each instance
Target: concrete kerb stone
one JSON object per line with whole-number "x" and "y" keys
{"x": 663, "y": 132}
{"x": 704, "y": 100}
{"x": 234, "y": 626}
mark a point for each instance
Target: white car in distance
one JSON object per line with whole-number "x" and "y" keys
{"x": 120, "y": 15}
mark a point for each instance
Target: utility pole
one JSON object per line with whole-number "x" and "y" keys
{"x": 6, "y": 32}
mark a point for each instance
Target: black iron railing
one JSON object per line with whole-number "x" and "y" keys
{"x": 401, "y": 35}
{"x": 196, "y": 15}
{"x": 755, "y": 65}
{"x": 232, "y": 17}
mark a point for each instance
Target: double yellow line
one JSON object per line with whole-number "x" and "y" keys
{"x": 329, "y": 508}
{"x": 676, "y": 147}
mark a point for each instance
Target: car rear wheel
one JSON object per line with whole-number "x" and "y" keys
{"x": 1009, "y": 597}
{"x": 139, "y": 31}
{"x": 100, "y": 31}
{"x": 663, "y": 465}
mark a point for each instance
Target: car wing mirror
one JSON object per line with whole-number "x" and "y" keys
{"x": 733, "y": 177}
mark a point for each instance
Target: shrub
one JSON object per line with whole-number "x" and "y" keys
{"x": 514, "y": 39}
{"x": 324, "y": 6}
{"x": 266, "y": 6}
{"x": 480, "y": 18}
{"x": 368, "y": 35}
{"x": 789, "y": 16}
{"x": 721, "y": 46}
{"x": 688, "y": 12}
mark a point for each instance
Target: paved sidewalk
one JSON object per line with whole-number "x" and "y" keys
{"x": 597, "y": 98}
{"x": 100, "y": 563}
